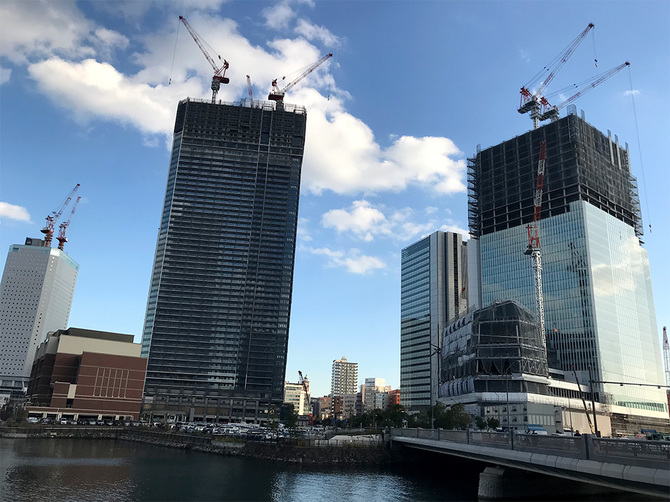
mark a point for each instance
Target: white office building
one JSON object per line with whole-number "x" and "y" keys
{"x": 35, "y": 298}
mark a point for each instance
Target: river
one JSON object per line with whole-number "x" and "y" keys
{"x": 115, "y": 470}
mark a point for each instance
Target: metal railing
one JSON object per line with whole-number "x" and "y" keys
{"x": 642, "y": 453}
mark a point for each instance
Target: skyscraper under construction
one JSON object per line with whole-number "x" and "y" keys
{"x": 598, "y": 304}
{"x": 217, "y": 320}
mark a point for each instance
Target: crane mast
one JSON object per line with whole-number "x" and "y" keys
{"x": 63, "y": 226}
{"x": 219, "y": 71}
{"x": 277, "y": 93}
{"x": 250, "y": 91}
{"x": 533, "y": 248}
{"x": 48, "y": 229}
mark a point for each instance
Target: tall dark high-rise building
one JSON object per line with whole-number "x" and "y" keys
{"x": 217, "y": 321}
{"x": 598, "y": 303}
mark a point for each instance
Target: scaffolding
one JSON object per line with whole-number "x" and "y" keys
{"x": 585, "y": 165}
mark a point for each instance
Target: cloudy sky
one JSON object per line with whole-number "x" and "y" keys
{"x": 88, "y": 93}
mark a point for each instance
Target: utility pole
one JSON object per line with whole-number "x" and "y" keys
{"x": 593, "y": 402}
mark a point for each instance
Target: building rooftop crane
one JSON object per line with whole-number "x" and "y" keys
{"x": 219, "y": 71}
{"x": 531, "y": 102}
{"x": 250, "y": 91}
{"x": 63, "y": 226}
{"x": 277, "y": 93}
{"x": 48, "y": 229}
{"x": 534, "y": 243}
{"x": 551, "y": 112}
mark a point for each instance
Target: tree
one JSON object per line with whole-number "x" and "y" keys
{"x": 493, "y": 422}
{"x": 480, "y": 423}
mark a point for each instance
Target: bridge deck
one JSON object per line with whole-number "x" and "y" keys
{"x": 639, "y": 466}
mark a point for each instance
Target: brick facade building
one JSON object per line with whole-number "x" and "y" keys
{"x": 81, "y": 373}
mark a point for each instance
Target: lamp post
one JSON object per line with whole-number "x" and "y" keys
{"x": 435, "y": 350}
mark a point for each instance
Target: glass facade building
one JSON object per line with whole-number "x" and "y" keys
{"x": 598, "y": 303}
{"x": 217, "y": 320}
{"x": 433, "y": 290}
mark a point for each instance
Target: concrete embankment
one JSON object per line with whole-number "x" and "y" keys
{"x": 342, "y": 450}
{"x": 290, "y": 451}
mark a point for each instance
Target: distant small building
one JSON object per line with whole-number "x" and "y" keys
{"x": 375, "y": 394}
{"x": 394, "y": 397}
{"x": 322, "y": 409}
{"x": 297, "y": 394}
{"x": 81, "y": 373}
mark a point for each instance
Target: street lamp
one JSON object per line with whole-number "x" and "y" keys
{"x": 435, "y": 349}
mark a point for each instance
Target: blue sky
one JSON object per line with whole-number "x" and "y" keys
{"x": 412, "y": 89}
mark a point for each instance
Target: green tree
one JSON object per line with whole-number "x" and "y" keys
{"x": 493, "y": 422}
{"x": 480, "y": 423}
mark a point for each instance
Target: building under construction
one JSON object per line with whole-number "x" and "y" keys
{"x": 217, "y": 319}
{"x": 598, "y": 304}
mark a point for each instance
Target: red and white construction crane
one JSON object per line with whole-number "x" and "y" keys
{"x": 219, "y": 71}
{"x": 277, "y": 93}
{"x": 63, "y": 226}
{"x": 551, "y": 112}
{"x": 531, "y": 102}
{"x": 534, "y": 243}
{"x": 48, "y": 229}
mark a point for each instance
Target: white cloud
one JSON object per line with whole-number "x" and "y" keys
{"x": 12, "y": 212}
{"x": 5, "y": 74}
{"x": 313, "y": 32}
{"x": 303, "y": 231}
{"x": 280, "y": 15}
{"x": 111, "y": 38}
{"x": 632, "y": 92}
{"x": 97, "y": 90}
{"x": 353, "y": 260}
{"x": 42, "y": 28}
{"x": 363, "y": 220}
{"x": 341, "y": 155}
{"x": 366, "y": 222}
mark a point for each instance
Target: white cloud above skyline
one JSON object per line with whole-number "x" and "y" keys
{"x": 14, "y": 212}
{"x": 365, "y": 221}
{"x": 352, "y": 260}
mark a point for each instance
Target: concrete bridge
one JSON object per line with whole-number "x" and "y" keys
{"x": 618, "y": 464}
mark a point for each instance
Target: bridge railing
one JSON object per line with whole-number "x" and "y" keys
{"x": 588, "y": 447}
{"x": 625, "y": 451}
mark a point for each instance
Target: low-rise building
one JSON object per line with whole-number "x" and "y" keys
{"x": 80, "y": 373}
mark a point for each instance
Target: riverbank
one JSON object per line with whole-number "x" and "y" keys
{"x": 337, "y": 451}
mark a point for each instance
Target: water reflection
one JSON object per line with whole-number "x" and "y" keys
{"x": 109, "y": 470}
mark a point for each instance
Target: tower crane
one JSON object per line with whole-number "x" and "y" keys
{"x": 551, "y": 112}
{"x": 533, "y": 248}
{"x": 277, "y": 94}
{"x": 250, "y": 91}
{"x": 63, "y": 226}
{"x": 48, "y": 229}
{"x": 531, "y": 102}
{"x": 219, "y": 71}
